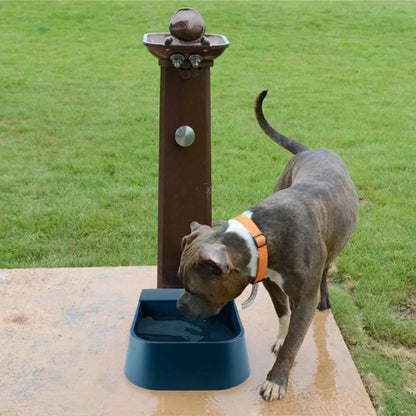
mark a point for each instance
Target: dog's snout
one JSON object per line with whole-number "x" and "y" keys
{"x": 180, "y": 306}
{"x": 194, "y": 308}
{"x": 184, "y": 307}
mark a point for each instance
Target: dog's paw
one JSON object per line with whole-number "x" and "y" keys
{"x": 324, "y": 304}
{"x": 272, "y": 391}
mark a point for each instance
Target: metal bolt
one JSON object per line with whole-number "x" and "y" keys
{"x": 185, "y": 136}
{"x": 177, "y": 60}
{"x": 195, "y": 60}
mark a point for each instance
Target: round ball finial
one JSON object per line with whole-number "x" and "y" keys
{"x": 187, "y": 25}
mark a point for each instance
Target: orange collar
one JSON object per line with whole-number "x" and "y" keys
{"x": 261, "y": 244}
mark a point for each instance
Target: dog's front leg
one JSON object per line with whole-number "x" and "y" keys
{"x": 275, "y": 385}
{"x": 281, "y": 305}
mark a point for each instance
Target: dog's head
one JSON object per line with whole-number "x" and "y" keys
{"x": 212, "y": 270}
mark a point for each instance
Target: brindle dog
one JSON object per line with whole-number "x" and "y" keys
{"x": 307, "y": 222}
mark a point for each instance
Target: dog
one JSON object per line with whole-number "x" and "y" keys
{"x": 303, "y": 226}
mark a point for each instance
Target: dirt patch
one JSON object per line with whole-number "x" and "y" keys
{"x": 19, "y": 319}
{"x": 408, "y": 310}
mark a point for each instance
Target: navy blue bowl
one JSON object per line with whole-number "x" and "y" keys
{"x": 166, "y": 351}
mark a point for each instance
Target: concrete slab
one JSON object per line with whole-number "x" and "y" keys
{"x": 63, "y": 341}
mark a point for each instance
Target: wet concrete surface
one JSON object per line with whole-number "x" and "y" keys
{"x": 63, "y": 342}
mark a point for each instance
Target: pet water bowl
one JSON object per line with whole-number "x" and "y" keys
{"x": 167, "y": 351}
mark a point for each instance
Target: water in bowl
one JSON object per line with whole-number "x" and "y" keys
{"x": 169, "y": 328}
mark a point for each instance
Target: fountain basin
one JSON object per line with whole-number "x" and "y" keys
{"x": 156, "y": 44}
{"x": 167, "y": 351}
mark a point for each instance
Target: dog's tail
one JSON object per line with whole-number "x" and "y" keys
{"x": 289, "y": 144}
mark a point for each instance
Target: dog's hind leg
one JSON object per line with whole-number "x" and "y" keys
{"x": 281, "y": 305}
{"x": 324, "y": 303}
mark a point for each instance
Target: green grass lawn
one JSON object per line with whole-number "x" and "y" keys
{"x": 79, "y": 143}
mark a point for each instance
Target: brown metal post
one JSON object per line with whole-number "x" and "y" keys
{"x": 185, "y": 57}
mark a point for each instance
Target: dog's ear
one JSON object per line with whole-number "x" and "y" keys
{"x": 216, "y": 254}
{"x": 194, "y": 226}
{"x": 188, "y": 239}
